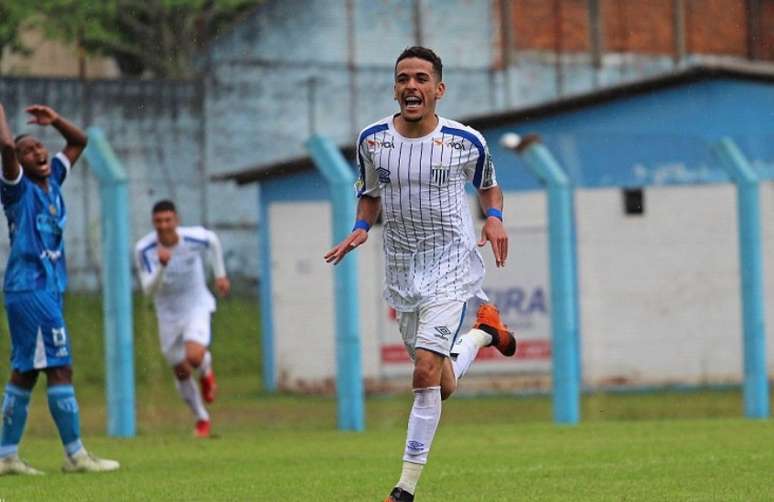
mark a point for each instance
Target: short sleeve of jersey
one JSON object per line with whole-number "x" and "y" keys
{"x": 60, "y": 166}
{"x": 480, "y": 170}
{"x": 11, "y": 190}
{"x": 368, "y": 179}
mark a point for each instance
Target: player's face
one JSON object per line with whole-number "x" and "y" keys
{"x": 417, "y": 88}
{"x": 165, "y": 223}
{"x": 33, "y": 157}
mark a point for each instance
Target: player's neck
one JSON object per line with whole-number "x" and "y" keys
{"x": 416, "y": 129}
{"x": 42, "y": 183}
{"x": 171, "y": 241}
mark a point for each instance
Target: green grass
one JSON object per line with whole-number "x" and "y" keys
{"x": 631, "y": 447}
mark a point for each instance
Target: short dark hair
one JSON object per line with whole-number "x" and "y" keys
{"x": 19, "y": 138}
{"x": 422, "y": 53}
{"x": 164, "y": 205}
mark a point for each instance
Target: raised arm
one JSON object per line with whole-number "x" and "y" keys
{"x": 76, "y": 139}
{"x": 491, "y": 200}
{"x": 367, "y": 213}
{"x": 222, "y": 284}
{"x": 7, "y": 150}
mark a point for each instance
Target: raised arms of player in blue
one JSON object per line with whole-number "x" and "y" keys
{"x": 76, "y": 139}
{"x": 10, "y": 165}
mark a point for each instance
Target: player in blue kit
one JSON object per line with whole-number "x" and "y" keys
{"x": 35, "y": 279}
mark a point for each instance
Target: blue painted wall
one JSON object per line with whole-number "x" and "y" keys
{"x": 660, "y": 138}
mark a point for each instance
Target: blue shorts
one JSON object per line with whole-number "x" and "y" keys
{"x": 38, "y": 336}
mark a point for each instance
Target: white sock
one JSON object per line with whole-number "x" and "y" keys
{"x": 409, "y": 477}
{"x": 467, "y": 348}
{"x": 206, "y": 364}
{"x": 423, "y": 420}
{"x": 190, "y": 393}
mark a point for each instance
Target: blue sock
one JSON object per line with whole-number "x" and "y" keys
{"x": 15, "y": 405}
{"x": 64, "y": 411}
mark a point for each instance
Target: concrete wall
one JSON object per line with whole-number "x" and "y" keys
{"x": 155, "y": 129}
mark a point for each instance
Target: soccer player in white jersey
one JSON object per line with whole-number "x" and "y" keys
{"x": 169, "y": 261}
{"x": 413, "y": 168}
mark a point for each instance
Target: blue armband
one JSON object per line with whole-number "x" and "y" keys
{"x": 492, "y": 211}
{"x": 361, "y": 224}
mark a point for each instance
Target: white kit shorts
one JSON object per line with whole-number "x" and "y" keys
{"x": 174, "y": 334}
{"x": 433, "y": 326}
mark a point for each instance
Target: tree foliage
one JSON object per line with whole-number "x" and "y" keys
{"x": 155, "y": 37}
{"x": 13, "y": 17}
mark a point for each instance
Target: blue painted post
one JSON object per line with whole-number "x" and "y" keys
{"x": 756, "y": 385}
{"x": 564, "y": 300}
{"x": 267, "y": 308}
{"x": 349, "y": 376}
{"x": 117, "y": 284}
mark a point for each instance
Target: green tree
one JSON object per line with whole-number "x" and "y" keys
{"x": 14, "y": 15}
{"x": 156, "y": 37}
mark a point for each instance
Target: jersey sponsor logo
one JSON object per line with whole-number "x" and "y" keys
{"x": 374, "y": 144}
{"x": 440, "y": 175}
{"x": 383, "y": 174}
{"x": 52, "y": 255}
{"x": 443, "y": 332}
{"x": 452, "y": 143}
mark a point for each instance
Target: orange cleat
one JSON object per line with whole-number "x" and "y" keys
{"x": 209, "y": 387}
{"x": 202, "y": 429}
{"x": 502, "y": 339}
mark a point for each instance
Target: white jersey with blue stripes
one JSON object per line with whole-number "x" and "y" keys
{"x": 180, "y": 288}
{"x": 429, "y": 241}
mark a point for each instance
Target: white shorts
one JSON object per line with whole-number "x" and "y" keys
{"x": 433, "y": 327}
{"x": 174, "y": 334}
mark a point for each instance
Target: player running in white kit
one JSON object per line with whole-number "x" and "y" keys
{"x": 414, "y": 166}
{"x": 169, "y": 261}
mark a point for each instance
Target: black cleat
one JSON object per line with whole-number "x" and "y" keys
{"x": 399, "y": 495}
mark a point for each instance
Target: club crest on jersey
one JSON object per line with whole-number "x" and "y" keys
{"x": 383, "y": 174}
{"x": 440, "y": 175}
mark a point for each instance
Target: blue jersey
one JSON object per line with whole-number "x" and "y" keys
{"x": 36, "y": 221}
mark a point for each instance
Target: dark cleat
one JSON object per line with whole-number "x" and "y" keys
{"x": 399, "y": 495}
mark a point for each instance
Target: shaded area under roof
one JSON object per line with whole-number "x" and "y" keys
{"x": 705, "y": 71}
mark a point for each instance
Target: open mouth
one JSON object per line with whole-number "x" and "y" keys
{"x": 412, "y": 102}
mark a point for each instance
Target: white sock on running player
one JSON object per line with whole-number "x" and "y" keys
{"x": 423, "y": 421}
{"x": 206, "y": 364}
{"x": 467, "y": 349}
{"x": 190, "y": 393}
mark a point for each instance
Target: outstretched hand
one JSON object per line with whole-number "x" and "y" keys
{"x": 356, "y": 238}
{"x": 41, "y": 115}
{"x": 494, "y": 232}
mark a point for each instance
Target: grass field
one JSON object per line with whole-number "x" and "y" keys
{"x": 631, "y": 447}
